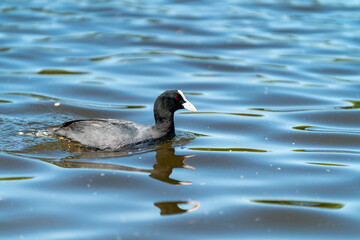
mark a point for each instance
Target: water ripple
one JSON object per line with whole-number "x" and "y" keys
{"x": 272, "y": 153}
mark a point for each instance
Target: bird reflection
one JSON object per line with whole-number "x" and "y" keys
{"x": 166, "y": 161}
{"x": 170, "y": 208}
{"x": 74, "y": 156}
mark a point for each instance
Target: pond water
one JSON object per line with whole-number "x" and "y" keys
{"x": 272, "y": 153}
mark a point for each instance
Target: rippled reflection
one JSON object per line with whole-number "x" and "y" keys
{"x": 170, "y": 208}
{"x": 328, "y": 164}
{"x": 166, "y": 159}
{"x": 59, "y": 71}
{"x": 326, "y": 151}
{"x": 229, "y": 149}
{"x": 166, "y": 162}
{"x": 355, "y": 105}
{"x": 325, "y": 129}
{"x": 15, "y": 178}
{"x": 302, "y": 203}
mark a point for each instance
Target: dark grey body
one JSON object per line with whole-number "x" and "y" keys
{"x": 107, "y": 134}
{"x": 115, "y": 134}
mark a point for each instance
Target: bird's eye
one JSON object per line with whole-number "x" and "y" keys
{"x": 177, "y": 98}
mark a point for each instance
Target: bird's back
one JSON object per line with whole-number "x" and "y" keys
{"x": 105, "y": 134}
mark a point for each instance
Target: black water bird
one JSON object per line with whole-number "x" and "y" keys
{"x": 116, "y": 134}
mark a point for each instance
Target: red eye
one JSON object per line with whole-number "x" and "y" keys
{"x": 177, "y": 98}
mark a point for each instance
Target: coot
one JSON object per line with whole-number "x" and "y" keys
{"x": 114, "y": 134}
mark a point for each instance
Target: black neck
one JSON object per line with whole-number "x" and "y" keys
{"x": 164, "y": 122}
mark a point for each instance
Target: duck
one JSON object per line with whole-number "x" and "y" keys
{"x": 117, "y": 134}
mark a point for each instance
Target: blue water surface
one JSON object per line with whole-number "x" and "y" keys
{"x": 272, "y": 153}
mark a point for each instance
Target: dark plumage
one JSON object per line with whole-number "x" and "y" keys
{"x": 114, "y": 134}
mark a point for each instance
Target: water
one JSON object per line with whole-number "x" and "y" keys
{"x": 273, "y": 152}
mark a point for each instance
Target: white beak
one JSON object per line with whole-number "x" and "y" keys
{"x": 188, "y": 105}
